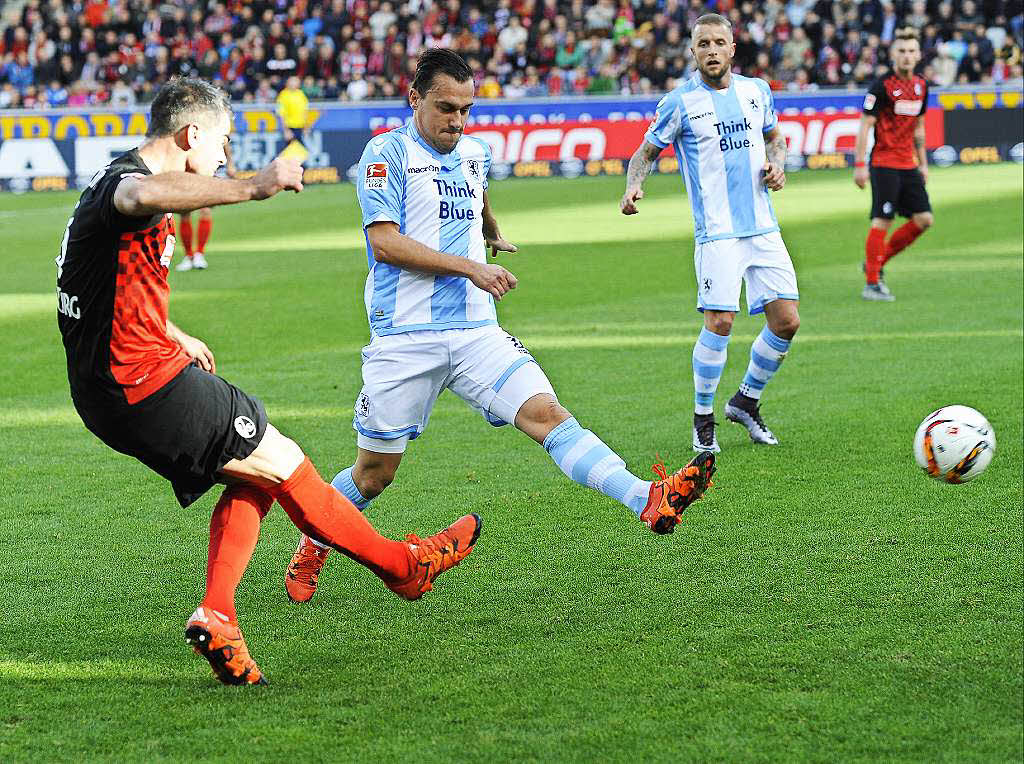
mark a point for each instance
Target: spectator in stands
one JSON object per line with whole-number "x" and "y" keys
{"x": 532, "y": 45}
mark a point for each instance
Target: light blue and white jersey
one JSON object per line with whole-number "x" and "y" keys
{"x": 436, "y": 199}
{"x": 718, "y": 138}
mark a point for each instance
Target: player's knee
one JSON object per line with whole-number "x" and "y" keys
{"x": 542, "y": 410}
{"x": 372, "y": 483}
{"x": 720, "y": 323}
{"x": 924, "y": 220}
{"x": 277, "y": 457}
{"x": 786, "y": 327}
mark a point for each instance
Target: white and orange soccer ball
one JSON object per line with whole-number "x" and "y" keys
{"x": 954, "y": 444}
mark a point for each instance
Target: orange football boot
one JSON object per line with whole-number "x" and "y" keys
{"x": 674, "y": 493}
{"x": 435, "y": 554}
{"x": 220, "y": 642}
{"x": 303, "y": 571}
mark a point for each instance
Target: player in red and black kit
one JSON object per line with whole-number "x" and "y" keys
{"x": 895, "y": 109}
{"x": 147, "y": 389}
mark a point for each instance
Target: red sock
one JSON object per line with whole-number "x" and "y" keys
{"x": 205, "y": 228}
{"x": 902, "y": 238}
{"x": 234, "y": 530}
{"x": 186, "y": 235}
{"x": 318, "y": 510}
{"x": 874, "y": 249}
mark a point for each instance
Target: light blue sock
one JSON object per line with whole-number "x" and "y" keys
{"x": 766, "y": 356}
{"x": 709, "y": 356}
{"x": 344, "y": 485}
{"x": 582, "y": 456}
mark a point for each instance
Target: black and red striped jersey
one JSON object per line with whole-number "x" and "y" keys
{"x": 896, "y": 104}
{"x": 112, "y": 295}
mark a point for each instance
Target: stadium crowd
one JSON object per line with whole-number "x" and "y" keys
{"x": 90, "y": 52}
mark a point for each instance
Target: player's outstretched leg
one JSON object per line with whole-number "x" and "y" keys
{"x": 213, "y": 628}
{"x": 586, "y": 460}
{"x": 303, "y": 572}
{"x": 407, "y": 568}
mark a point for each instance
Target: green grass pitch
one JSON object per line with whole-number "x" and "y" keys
{"x": 825, "y": 601}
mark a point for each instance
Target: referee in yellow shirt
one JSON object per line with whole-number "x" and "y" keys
{"x": 293, "y": 108}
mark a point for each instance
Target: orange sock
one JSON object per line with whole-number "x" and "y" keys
{"x": 234, "y": 531}
{"x": 318, "y": 510}
{"x": 205, "y": 228}
{"x": 186, "y": 235}
{"x": 874, "y": 249}
{"x": 902, "y": 238}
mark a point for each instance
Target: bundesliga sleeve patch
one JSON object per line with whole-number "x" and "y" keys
{"x": 869, "y": 102}
{"x": 376, "y": 176}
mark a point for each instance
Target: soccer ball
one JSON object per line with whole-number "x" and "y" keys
{"x": 954, "y": 444}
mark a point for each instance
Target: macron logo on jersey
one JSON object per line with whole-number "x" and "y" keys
{"x": 376, "y": 176}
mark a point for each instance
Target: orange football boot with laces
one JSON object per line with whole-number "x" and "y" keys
{"x": 435, "y": 554}
{"x": 303, "y": 571}
{"x": 674, "y": 493}
{"x": 220, "y": 642}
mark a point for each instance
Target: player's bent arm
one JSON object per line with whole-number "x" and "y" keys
{"x": 490, "y": 224}
{"x": 177, "y": 192}
{"x": 186, "y": 191}
{"x": 775, "y": 155}
{"x": 492, "y": 235}
{"x": 195, "y": 348}
{"x": 775, "y": 148}
{"x": 391, "y": 246}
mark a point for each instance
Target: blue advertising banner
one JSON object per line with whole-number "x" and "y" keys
{"x": 60, "y": 149}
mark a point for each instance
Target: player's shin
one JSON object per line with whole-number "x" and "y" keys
{"x": 766, "y": 356}
{"x": 234, "y": 531}
{"x": 319, "y": 511}
{"x": 874, "y": 254}
{"x": 585, "y": 459}
{"x": 186, "y": 236}
{"x": 901, "y": 238}
{"x": 205, "y": 229}
{"x": 346, "y": 486}
{"x": 709, "y": 356}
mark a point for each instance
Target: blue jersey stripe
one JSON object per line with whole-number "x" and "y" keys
{"x": 448, "y": 303}
{"x": 739, "y": 182}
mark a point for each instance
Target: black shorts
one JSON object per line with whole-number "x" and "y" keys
{"x": 897, "y": 191}
{"x": 185, "y": 431}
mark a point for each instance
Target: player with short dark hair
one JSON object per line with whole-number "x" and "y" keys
{"x": 148, "y": 389}
{"x": 894, "y": 109}
{"x": 429, "y": 297}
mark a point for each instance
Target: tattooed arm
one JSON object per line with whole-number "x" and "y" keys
{"x": 775, "y": 167}
{"x": 639, "y": 168}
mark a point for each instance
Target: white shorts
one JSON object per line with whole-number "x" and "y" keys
{"x": 761, "y": 261}
{"x": 404, "y": 373}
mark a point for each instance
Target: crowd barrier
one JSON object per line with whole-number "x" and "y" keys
{"x": 58, "y": 149}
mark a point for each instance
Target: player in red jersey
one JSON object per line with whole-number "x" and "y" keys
{"x": 148, "y": 389}
{"x": 195, "y": 257}
{"x": 895, "y": 109}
